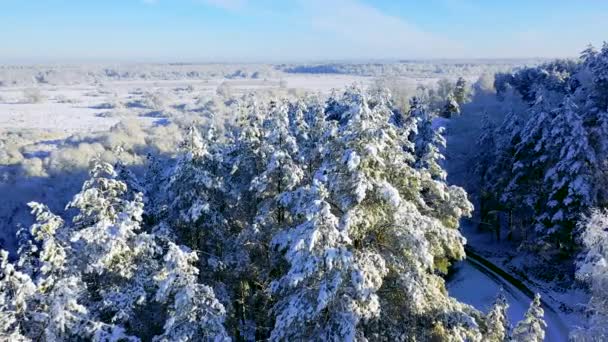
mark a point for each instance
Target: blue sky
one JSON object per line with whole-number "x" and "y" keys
{"x": 296, "y": 30}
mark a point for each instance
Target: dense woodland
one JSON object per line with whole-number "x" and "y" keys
{"x": 307, "y": 220}
{"x": 546, "y": 165}
{"x": 324, "y": 218}
{"x": 544, "y": 168}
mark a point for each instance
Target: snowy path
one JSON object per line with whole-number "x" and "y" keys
{"x": 477, "y": 285}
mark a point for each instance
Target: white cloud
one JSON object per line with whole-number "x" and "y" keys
{"x": 459, "y": 6}
{"x": 231, "y": 5}
{"x": 363, "y": 31}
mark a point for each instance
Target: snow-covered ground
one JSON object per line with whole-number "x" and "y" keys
{"x": 478, "y": 286}
{"x": 505, "y": 254}
{"x": 80, "y": 108}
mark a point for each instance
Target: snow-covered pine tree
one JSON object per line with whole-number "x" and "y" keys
{"x": 16, "y": 291}
{"x": 243, "y": 157}
{"x": 100, "y": 197}
{"x": 243, "y": 160}
{"x": 298, "y": 126}
{"x": 280, "y": 172}
{"x": 195, "y": 192}
{"x": 48, "y": 232}
{"x": 27, "y": 250}
{"x": 532, "y": 327}
{"x": 460, "y": 91}
{"x": 451, "y": 107}
{"x": 156, "y": 177}
{"x": 317, "y": 299}
{"x": 496, "y": 321}
{"x": 588, "y": 54}
{"x": 594, "y": 111}
{"x": 205, "y": 191}
{"x": 570, "y": 180}
{"x": 311, "y": 134}
{"x": 53, "y": 308}
{"x": 247, "y": 134}
{"x": 553, "y": 170}
{"x": 428, "y": 141}
{"x": 53, "y": 311}
{"x": 106, "y": 224}
{"x": 60, "y": 314}
{"x": 500, "y": 173}
{"x": 525, "y": 192}
{"x": 194, "y": 312}
{"x": 125, "y": 175}
{"x": 484, "y": 159}
{"x": 592, "y": 269}
{"x": 598, "y": 140}
{"x": 486, "y": 155}
{"x": 119, "y": 261}
{"x": 378, "y": 195}
{"x": 598, "y": 66}
{"x": 446, "y": 203}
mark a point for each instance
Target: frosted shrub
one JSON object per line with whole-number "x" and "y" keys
{"x": 484, "y": 84}
{"x": 33, "y": 95}
{"x": 64, "y": 99}
{"x": 224, "y": 90}
{"x": 156, "y": 101}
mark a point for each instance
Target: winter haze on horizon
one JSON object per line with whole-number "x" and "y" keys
{"x": 37, "y": 31}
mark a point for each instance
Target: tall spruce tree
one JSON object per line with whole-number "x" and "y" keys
{"x": 532, "y": 327}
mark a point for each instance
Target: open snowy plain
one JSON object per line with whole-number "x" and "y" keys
{"x": 87, "y": 108}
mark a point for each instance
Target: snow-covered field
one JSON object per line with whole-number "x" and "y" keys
{"x": 83, "y": 108}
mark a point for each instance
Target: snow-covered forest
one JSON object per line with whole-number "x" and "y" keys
{"x": 538, "y": 174}
{"x": 216, "y": 203}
